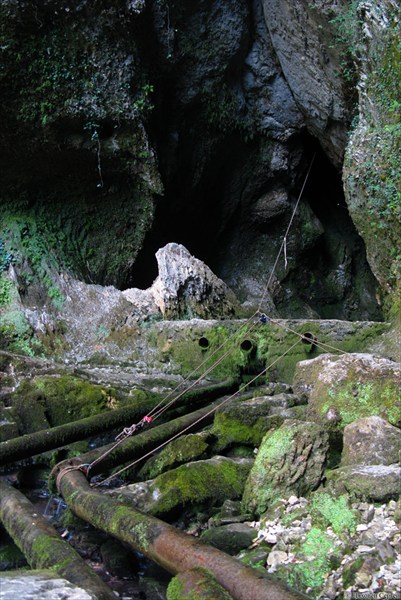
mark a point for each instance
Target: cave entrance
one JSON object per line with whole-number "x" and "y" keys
{"x": 332, "y": 277}
{"x": 193, "y": 210}
{"x": 329, "y": 278}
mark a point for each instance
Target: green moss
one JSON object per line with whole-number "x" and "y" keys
{"x": 258, "y": 497}
{"x": 199, "y": 482}
{"x": 315, "y": 551}
{"x": 16, "y": 334}
{"x": 356, "y": 399}
{"x": 189, "y": 355}
{"x": 350, "y": 571}
{"x": 183, "y": 449}
{"x": 11, "y": 557}
{"x": 5, "y": 290}
{"x": 59, "y": 234}
{"x": 58, "y": 400}
{"x": 48, "y": 552}
{"x": 288, "y": 518}
{"x": 142, "y": 531}
{"x": 279, "y": 443}
{"x": 333, "y": 512}
{"x": 230, "y": 430}
{"x": 271, "y": 342}
{"x": 68, "y": 519}
{"x": 283, "y": 467}
{"x": 255, "y": 558}
{"x": 57, "y": 204}
{"x": 175, "y": 589}
{"x": 372, "y": 162}
{"x": 202, "y": 585}
{"x": 34, "y": 247}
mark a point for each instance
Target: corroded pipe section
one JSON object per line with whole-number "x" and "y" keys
{"x": 172, "y": 549}
{"x": 48, "y": 439}
{"x": 42, "y": 545}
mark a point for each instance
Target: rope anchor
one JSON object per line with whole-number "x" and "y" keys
{"x": 129, "y": 431}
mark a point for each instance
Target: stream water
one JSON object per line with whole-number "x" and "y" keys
{"x": 130, "y": 575}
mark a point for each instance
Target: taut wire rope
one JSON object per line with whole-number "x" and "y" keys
{"x": 211, "y": 411}
{"x": 284, "y": 242}
{"x": 315, "y": 341}
{"x": 128, "y": 431}
{"x": 153, "y": 413}
{"x": 205, "y": 361}
{"x": 161, "y": 407}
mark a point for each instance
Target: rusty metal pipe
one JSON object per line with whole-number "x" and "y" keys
{"x": 172, "y": 549}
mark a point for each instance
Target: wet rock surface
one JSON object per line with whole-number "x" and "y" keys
{"x": 310, "y": 72}
{"x": 30, "y": 586}
{"x": 196, "y": 581}
{"x": 375, "y": 483}
{"x": 218, "y": 97}
{"x": 131, "y": 125}
{"x": 247, "y": 421}
{"x": 230, "y": 538}
{"x": 356, "y": 542}
{"x": 215, "y": 479}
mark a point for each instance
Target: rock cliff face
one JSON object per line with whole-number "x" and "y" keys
{"x": 372, "y": 165}
{"x": 132, "y": 125}
{"x": 80, "y": 176}
{"x": 303, "y": 35}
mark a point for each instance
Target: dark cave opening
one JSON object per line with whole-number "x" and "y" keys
{"x": 188, "y": 214}
{"x": 332, "y": 276}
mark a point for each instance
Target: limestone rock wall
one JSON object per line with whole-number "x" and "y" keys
{"x": 133, "y": 125}
{"x": 372, "y": 163}
{"x": 303, "y": 35}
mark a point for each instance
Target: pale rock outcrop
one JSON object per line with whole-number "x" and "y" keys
{"x": 371, "y": 441}
{"x": 342, "y": 389}
{"x": 143, "y": 301}
{"x": 32, "y": 585}
{"x": 184, "y": 288}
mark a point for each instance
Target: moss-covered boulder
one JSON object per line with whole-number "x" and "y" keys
{"x": 183, "y": 449}
{"x": 350, "y": 387}
{"x": 290, "y": 461}
{"x": 231, "y": 538}
{"x": 371, "y": 441}
{"x": 45, "y": 401}
{"x": 247, "y": 421}
{"x": 197, "y": 482}
{"x": 196, "y": 584}
{"x": 372, "y": 483}
{"x": 8, "y": 430}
